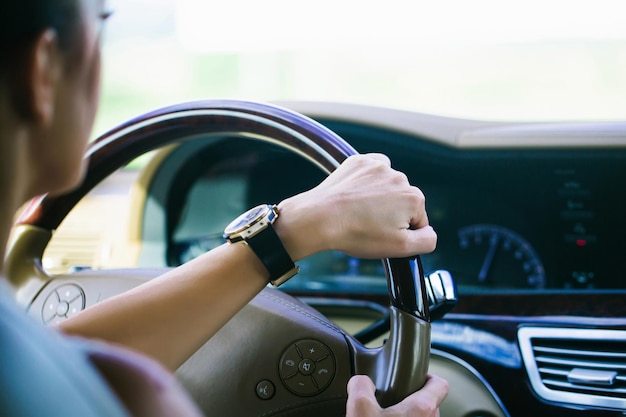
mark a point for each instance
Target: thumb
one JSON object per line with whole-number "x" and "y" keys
{"x": 361, "y": 397}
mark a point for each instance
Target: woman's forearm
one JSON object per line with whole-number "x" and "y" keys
{"x": 171, "y": 316}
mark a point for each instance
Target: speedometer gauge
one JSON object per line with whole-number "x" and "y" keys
{"x": 496, "y": 257}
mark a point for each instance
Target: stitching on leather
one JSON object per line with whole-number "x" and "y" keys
{"x": 301, "y": 311}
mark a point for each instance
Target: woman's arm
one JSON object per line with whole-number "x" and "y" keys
{"x": 364, "y": 208}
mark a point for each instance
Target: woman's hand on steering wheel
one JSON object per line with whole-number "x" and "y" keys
{"x": 364, "y": 208}
{"x": 423, "y": 403}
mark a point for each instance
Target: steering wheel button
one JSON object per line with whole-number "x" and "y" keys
{"x": 324, "y": 372}
{"x": 312, "y": 349}
{"x": 289, "y": 363}
{"x": 306, "y": 366}
{"x": 265, "y": 389}
{"x": 69, "y": 292}
{"x": 62, "y": 308}
{"x": 301, "y": 385}
{"x": 50, "y": 306}
{"x": 78, "y": 304}
{"x": 328, "y": 363}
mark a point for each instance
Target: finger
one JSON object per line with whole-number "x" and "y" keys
{"x": 361, "y": 397}
{"x": 420, "y": 241}
{"x": 431, "y": 395}
{"x": 361, "y": 385}
{"x": 419, "y": 221}
{"x": 420, "y": 218}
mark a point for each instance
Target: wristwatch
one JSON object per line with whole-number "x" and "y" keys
{"x": 254, "y": 228}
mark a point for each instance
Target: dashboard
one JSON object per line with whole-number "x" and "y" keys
{"x": 508, "y": 218}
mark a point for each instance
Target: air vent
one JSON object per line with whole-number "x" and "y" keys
{"x": 71, "y": 248}
{"x": 576, "y": 366}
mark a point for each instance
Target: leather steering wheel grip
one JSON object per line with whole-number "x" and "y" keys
{"x": 398, "y": 368}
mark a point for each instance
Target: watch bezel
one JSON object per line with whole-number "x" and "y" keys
{"x": 250, "y": 223}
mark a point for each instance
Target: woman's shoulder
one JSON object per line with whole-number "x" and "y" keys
{"x": 48, "y": 373}
{"x": 45, "y": 373}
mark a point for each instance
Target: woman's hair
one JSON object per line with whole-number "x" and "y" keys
{"x": 21, "y": 22}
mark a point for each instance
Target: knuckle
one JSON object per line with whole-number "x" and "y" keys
{"x": 419, "y": 195}
{"x": 400, "y": 178}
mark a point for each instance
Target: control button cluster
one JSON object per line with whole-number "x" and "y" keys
{"x": 307, "y": 367}
{"x": 63, "y": 302}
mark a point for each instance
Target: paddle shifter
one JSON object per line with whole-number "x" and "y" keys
{"x": 414, "y": 302}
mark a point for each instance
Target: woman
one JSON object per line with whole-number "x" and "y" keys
{"x": 49, "y": 86}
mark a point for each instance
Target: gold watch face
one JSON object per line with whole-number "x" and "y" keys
{"x": 246, "y": 219}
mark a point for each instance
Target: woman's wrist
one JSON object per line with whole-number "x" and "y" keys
{"x": 300, "y": 227}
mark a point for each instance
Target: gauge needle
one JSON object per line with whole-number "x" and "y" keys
{"x": 484, "y": 270}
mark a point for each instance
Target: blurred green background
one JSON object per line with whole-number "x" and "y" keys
{"x": 484, "y": 59}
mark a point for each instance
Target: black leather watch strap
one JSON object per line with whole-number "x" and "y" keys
{"x": 255, "y": 228}
{"x": 270, "y": 250}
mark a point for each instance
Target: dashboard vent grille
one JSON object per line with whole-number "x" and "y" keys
{"x": 71, "y": 248}
{"x": 577, "y": 366}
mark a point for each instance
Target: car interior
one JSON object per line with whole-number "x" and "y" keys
{"x": 520, "y": 307}
{"x": 509, "y": 116}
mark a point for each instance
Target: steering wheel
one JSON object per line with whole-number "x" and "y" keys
{"x": 277, "y": 356}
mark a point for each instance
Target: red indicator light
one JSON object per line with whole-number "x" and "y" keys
{"x": 581, "y": 242}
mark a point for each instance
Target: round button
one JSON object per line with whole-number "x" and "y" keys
{"x": 62, "y": 308}
{"x": 306, "y": 366}
{"x": 265, "y": 389}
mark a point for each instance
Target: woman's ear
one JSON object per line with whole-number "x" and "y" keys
{"x": 41, "y": 78}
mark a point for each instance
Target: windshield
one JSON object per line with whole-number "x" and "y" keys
{"x": 484, "y": 59}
